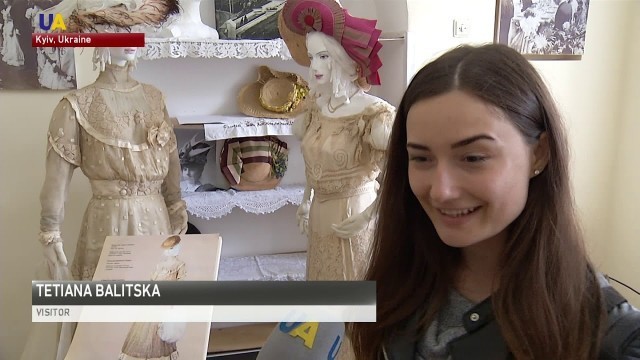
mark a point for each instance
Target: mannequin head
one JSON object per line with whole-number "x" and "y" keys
{"x": 331, "y": 72}
{"x": 120, "y": 56}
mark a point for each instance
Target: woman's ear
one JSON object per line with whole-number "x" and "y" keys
{"x": 540, "y": 154}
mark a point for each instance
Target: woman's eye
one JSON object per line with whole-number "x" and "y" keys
{"x": 324, "y": 57}
{"x": 418, "y": 158}
{"x": 475, "y": 158}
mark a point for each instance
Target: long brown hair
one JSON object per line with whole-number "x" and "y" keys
{"x": 548, "y": 304}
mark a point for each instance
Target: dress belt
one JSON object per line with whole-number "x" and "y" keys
{"x": 120, "y": 188}
{"x": 368, "y": 187}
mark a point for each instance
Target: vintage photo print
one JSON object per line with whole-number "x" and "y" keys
{"x": 248, "y": 19}
{"x": 543, "y": 29}
{"x": 23, "y": 67}
{"x": 193, "y": 257}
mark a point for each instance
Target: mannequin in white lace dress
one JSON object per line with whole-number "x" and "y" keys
{"x": 117, "y": 131}
{"x": 344, "y": 137}
{"x": 157, "y": 341}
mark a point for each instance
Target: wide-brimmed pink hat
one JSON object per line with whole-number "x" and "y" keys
{"x": 359, "y": 37}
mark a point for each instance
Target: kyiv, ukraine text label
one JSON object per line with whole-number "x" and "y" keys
{"x": 87, "y": 40}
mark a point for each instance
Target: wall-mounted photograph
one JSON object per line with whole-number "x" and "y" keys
{"x": 543, "y": 29}
{"x": 248, "y": 19}
{"x": 23, "y": 67}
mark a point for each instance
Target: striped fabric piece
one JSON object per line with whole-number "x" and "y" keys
{"x": 247, "y": 150}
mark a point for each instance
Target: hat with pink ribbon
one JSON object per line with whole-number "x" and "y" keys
{"x": 359, "y": 37}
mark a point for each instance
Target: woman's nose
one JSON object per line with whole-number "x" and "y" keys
{"x": 444, "y": 185}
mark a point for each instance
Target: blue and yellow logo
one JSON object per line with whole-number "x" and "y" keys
{"x": 54, "y": 22}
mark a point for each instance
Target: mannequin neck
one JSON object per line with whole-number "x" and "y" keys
{"x": 343, "y": 99}
{"x": 190, "y": 11}
{"x": 116, "y": 77}
{"x": 352, "y": 101}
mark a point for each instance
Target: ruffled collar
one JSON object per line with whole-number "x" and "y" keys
{"x": 116, "y": 77}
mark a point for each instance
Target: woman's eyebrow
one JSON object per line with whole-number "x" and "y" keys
{"x": 461, "y": 143}
{"x": 472, "y": 139}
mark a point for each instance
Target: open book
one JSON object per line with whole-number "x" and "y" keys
{"x": 156, "y": 258}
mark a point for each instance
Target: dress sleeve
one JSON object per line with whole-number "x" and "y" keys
{"x": 301, "y": 123}
{"x": 62, "y": 157}
{"x": 176, "y": 207}
{"x": 378, "y": 128}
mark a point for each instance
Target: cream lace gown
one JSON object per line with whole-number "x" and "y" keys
{"x": 342, "y": 163}
{"x": 117, "y": 132}
{"x": 143, "y": 341}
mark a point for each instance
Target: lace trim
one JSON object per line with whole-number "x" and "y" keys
{"x": 48, "y": 237}
{"x": 216, "y": 204}
{"x": 237, "y": 49}
{"x": 120, "y": 188}
{"x": 337, "y": 187}
{"x": 345, "y": 192}
{"x": 374, "y": 108}
{"x": 69, "y": 152}
{"x": 86, "y": 99}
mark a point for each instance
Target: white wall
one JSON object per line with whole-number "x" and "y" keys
{"x": 597, "y": 95}
{"x": 623, "y": 240}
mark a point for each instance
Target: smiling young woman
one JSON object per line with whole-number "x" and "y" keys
{"x": 477, "y": 252}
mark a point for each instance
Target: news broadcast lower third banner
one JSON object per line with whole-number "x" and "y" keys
{"x": 87, "y": 40}
{"x": 203, "y": 301}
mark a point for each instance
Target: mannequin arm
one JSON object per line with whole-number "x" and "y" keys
{"x": 376, "y": 134}
{"x": 356, "y": 223}
{"x": 176, "y": 207}
{"x": 300, "y": 125}
{"x": 63, "y": 156}
{"x": 303, "y": 211}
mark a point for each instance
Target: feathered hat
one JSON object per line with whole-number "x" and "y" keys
{"x": 195, "y": 151}
{"x": 91, "y": 15}
{"x": 359, "y": 37}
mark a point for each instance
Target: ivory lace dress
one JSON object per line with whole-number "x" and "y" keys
{"x": 143, "y": 341}
{"x": 342, "y": 162}
{"x": 117, "y": 131}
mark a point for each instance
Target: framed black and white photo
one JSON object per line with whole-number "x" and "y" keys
{"x": 248, "y": 19}
{"x": 543, "y": 29}
{"x": 23, "y": 67}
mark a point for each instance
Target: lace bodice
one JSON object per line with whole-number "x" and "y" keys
{"x": 340, "y": 153}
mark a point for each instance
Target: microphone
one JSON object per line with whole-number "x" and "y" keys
{"x": 303, "y": 341}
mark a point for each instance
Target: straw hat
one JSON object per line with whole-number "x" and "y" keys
{"x": 296, "y": 43}
{"x": 171, "y": 241}
{"x": 275, "y": 94}
{"x": 254, "y": 163}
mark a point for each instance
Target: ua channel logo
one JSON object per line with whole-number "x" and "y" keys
{"x": 52, "y": 22}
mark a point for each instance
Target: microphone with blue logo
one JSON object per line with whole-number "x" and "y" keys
{"x": 303, "y": 341}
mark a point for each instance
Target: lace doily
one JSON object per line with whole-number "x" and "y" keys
{"x": 216, "y": 204}
{"x": 278, "y": 267}
{"x": 238, "y": 49}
